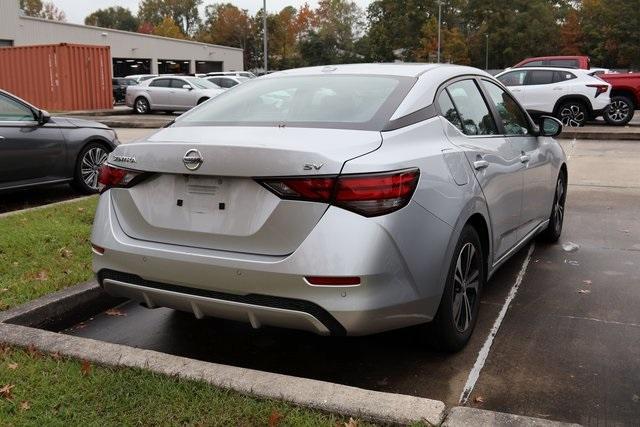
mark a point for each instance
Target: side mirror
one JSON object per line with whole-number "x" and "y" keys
{"x": 43, "y": 117}
{"x": 188, "y": 87}
{"x": 549, "y": 126}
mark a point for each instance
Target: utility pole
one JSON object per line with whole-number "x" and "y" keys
{"x": 486, "y": 63}
{"x": 439, "y": 23}
{"x": 264, "y": 24}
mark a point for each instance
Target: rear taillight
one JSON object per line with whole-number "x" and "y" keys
{"x": 110, "y": 177}
{"x": 600, "y": 89}
{"x": 366, "y": 194}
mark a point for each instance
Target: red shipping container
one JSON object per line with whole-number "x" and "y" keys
{"x": 61, "y": 77}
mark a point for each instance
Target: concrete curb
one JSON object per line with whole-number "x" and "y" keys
{"x": 461, "y": 416}
{"x": 351, "y": 401}
{"x": 48, "y": 205}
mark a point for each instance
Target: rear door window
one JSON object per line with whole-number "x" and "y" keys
{"x": 177, "y": 83}
{"x": 539, "y": 77}
{"x": 474, "y": 112}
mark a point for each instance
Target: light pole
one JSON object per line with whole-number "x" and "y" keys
{"x": 486, "y": 62}
{"x": 264, "y": 24}
{"x": 439, "y": 21}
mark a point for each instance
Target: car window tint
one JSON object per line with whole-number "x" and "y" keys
{"x": 513, "y": 118}
{"x": 160, "y": 83}
{"x": 564, "y": 63}
{"x": 448, "y": 110}
{"x": 473, "y": 110}
{"x": 13, "y": 111}
{"x": 178, "y": 83}
{"x": 539, "y": 77}
{"x": 561, "y": 76}
{"x": 514, "y": 78}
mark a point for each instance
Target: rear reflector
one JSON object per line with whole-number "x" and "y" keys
{"x": 366, "y": 194}
{"x": 333, "y": 281}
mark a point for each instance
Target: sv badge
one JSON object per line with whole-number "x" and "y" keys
{"x": 312, "y": 166}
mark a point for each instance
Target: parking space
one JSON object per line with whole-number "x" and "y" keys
{"x": 568, "y": 348}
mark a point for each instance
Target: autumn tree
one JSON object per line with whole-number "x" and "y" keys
{"x": 571, "y": 35}
{"x": 168, "y": 28}
{"x": 117, "y": 18}
{"x": 184, "y": 13}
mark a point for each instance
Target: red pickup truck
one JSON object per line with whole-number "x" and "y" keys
{"x": 625, "y": 97}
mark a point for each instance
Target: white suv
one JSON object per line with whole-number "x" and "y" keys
{"x": 571, "y": 95}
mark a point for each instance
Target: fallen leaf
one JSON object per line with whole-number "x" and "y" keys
{"x": 86, "y": 368}
{"x": 114, "y": 312}
{"x": 5, "y": 391}
{"x": 351, "y": 423}
{"x": 66, "y": 253}
{"x": 25, "y": 406}
{"x": 80, "y": 209}
{"x": 274, "y": 418}
{"x": 4, "y": 290}
{"x": 42, "y": 276}
{"x": 584, "y": 291}
{"x": 478, "y": 399}
{"x": 587, "y": 282}
{"x": 12, "y": 366}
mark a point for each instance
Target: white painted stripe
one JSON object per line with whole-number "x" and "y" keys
{"x": 474, "y": 374}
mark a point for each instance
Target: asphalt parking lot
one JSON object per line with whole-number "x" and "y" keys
{"x": 568, "y": 348}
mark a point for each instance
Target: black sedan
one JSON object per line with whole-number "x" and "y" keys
{"x": 37, "y": 149}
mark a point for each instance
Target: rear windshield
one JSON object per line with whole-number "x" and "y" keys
{"x": 335, "y": 101}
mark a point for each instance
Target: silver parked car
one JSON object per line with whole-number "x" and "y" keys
{"x": 170, "y": 93}
{"x": 344, "y": 200}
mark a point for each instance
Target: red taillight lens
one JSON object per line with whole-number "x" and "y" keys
{"x": 333, "y": 280}
{"x": 110, "y": 177}
{"x": 367, "y": 194}
{"x": 600, "y": 89}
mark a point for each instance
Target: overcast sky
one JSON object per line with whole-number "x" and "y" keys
{"x": 77, "y": 10}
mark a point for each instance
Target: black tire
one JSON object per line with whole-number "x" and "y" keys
{"x": 620, "y": 111}
{"x": 572, "y": 114}
{"x": 141, "y": 105}
{"x": 554, "y": 230}
{"x": 91, "y": 157}
{"x": 201, "y": 100}
{"x": 460, "y": 298}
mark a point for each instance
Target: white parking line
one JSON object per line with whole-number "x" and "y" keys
{"x": 474, "y": 374}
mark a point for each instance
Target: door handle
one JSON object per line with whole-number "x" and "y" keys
{"x": 557, "y": 88}
{"x": 524, "y": 159}
{"x": 480, "y": 164}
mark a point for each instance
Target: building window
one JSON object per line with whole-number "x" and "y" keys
{"x": 6, "y": 42}
{"x": 173, "y": 66}
{"x": 123, "y": 67}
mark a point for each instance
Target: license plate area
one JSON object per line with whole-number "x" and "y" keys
{"x": 206, "y": 194}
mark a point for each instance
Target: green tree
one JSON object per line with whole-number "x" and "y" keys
{"x": 116, "y": 17}
{"x": 184, "y": 13}
{"x": 45, "y": 10}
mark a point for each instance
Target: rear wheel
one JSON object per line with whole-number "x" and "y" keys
{"x": 141, "y": 106}
{"x": 554, "y": 230}
{"x": 460, "y": 304}
{"x": 620, "y": 111}
{"x": 573, "y": 114}
{"x": 92, "y": 156}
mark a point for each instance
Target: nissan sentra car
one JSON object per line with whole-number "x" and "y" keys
{"x": 344, "y": 200}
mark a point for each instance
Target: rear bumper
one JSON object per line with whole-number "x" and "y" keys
{"x": 271, "y": 290}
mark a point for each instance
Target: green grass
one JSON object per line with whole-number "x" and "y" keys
{"x": 58, "y": 392}
{"x": 45, "y": 250}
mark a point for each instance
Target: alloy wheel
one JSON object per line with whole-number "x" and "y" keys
{"x": 572, "y": 115}
{"x": 142, "y": 105}
{"x": 558, "y": 207}
{"x": 466, "y": 279}
{"x": 618, "y": 111}
{"x": 91, "y": 162}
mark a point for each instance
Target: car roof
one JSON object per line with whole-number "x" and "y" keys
{"x": 389, "y": 69}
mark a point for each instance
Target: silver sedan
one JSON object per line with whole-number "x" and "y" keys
{"x": 343, "y": 200}
{"x": 170, "y": 93}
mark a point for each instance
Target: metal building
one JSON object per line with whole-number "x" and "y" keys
{"x": 131, "y": 53}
